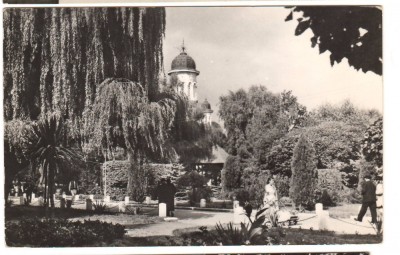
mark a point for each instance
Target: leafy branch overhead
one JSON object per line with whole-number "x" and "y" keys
{"x": 351, "y": 32}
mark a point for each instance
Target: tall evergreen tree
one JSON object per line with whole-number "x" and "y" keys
{"x": 304, "y": 174}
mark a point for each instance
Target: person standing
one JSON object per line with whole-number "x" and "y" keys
{"x": 368, "y": 192}
{"x": 28, "y": 190}
{"x": 171, "y": 190}
{"x": 161, "y": 192}
{"x": 379, "y": 195}
{"x": 271, "y": 196}
{"x": 73, "y": 189}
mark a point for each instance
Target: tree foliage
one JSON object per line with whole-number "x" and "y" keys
{"x": 54, "y": 58}
{"x": 45, "y": 142}
{"x": 351, "y": 32}
{"x": 124, "y": 117}
{"x": 372, "y": 144}
{"x": 304, "y": 173}
{"x": 253, "y": 120}
{"x": 15, "y": 147}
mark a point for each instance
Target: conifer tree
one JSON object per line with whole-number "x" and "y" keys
{"x": 304, "y": 174}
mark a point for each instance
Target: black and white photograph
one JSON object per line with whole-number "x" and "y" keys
{"x": 193, "y": 126}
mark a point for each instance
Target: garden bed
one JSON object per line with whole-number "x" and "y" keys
{"x": 194, "y": 237}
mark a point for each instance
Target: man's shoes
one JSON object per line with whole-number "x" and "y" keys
{"x": 357, "y": 220}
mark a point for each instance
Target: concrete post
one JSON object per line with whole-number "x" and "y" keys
{"x": 126, "y": 200}
{"x": 33, "y": 196}
{"x": 202, "y": 203}
{"x": 41, "y": 201}
{"x": 21, "y": 200}
{"x": 107, "y": 199}
{"x": 91, "y": 197}
{"x": 121, "y": 207}
{"x": 148, "y": 199}
{"x": 323, "y": 220}
{"x": 318, "y": 208}
{"x": 162, "y": 210}
{"x": 238, "y": 214}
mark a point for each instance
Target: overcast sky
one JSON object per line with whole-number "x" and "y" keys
{"x": 236, "y": 47}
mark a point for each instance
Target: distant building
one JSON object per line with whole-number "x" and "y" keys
{"x": 184, "y": 74}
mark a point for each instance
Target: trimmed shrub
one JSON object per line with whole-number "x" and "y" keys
{"x": 53, "y": 232}
{"x": 329, "y": 186}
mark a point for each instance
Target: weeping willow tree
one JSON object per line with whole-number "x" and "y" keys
{"x": 124, "y": 117}
{"x": 55, "y": 57}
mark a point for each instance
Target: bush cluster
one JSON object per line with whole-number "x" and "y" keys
{"x": 56, "y": 232}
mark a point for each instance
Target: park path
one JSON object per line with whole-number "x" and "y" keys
{"x": 186, "y": 219}
{"x": 195, "y": 219}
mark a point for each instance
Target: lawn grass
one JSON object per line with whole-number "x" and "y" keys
{"x": 16, "y": 213}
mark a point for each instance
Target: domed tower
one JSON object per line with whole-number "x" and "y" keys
{"x": 206, "y": 107}
{"x": 184, "y": 73}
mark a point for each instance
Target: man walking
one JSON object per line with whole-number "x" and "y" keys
{"x": 171, "y": 190}
{"x": 368, "y": 192}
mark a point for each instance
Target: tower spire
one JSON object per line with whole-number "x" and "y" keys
{"x": 183, "y": 45}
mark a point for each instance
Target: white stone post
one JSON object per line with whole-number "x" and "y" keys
{"x": 202, "y": 203}
{"x": 41, "y": 201}
{"x": 91, "y": 197}
{"x": 236, "y": 212}
{"x": 121, "y": 207}
{"x": 21, "y": 200}
{"x": 318, "y": 208}
{"x": 323, "y": 221}
{"x": 148, "y": 199}
{"x": 126, "y": 200}
{"x": 33, "y": 196}
{"x": 107, "y": 199}
{"x": 162, "y": 210}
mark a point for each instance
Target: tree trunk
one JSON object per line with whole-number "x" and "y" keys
{"x": 45, "y": 171}
{"x": 136, "y": 178}
{"x": 51, "y": 183}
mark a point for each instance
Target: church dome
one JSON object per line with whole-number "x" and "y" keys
{"x": 183, "y": 63}
{"x": 206, "y": 107}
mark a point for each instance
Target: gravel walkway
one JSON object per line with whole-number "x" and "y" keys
{"x": 190, "y": 219}
{"x": 186, "y": 219}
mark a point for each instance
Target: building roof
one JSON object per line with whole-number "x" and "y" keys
{"x": 183, "y": 62}
{"x": 206, "y": 107}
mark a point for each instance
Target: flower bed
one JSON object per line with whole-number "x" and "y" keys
{"x": 53, "y": 232}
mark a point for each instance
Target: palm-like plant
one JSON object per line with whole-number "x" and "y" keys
{"x": 46, "y": 143}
